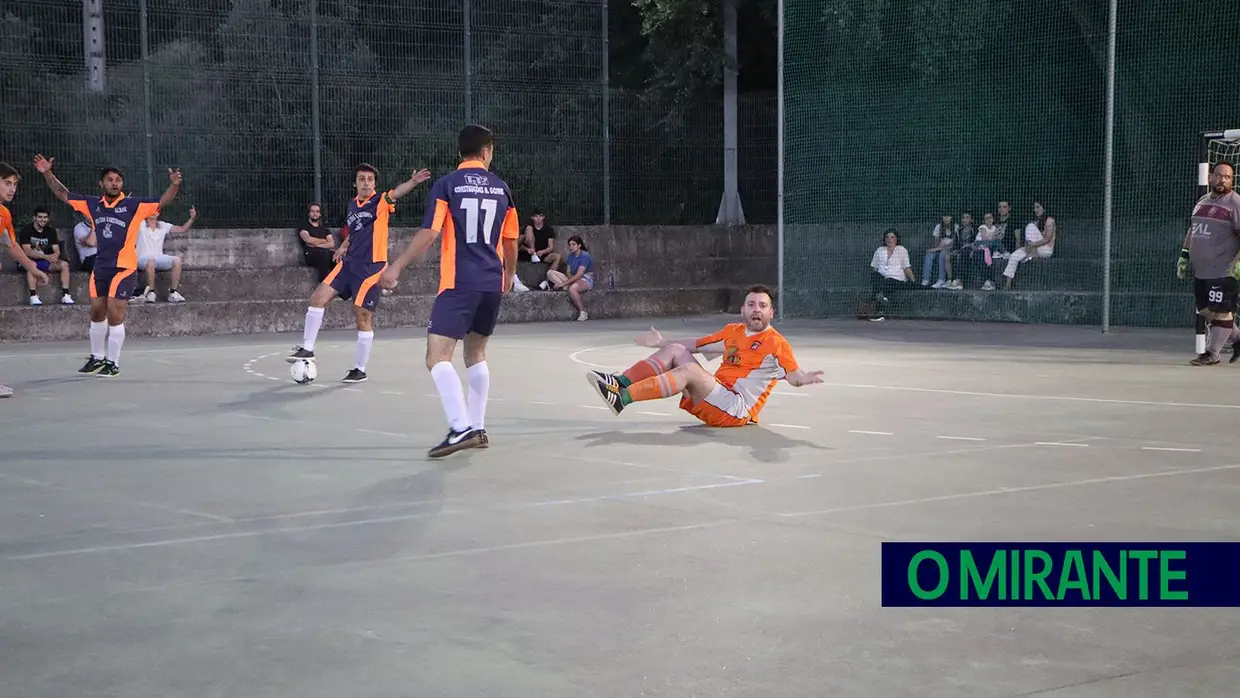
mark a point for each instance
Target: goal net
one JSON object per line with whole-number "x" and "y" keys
{"x": 1216, "y": 147}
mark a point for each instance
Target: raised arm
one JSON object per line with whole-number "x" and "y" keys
{"x": 408, "y": 185}
{"x": 174, "y": 186}
{"x": 184, "y": 227}
{"x": 44, "y": 166}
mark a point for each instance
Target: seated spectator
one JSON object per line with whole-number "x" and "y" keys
{"x": 1039, "y": 242}
{"x": 984, "y": 250}
{"x": 318, "y": 247}
{"x": 87, "y": 246}
{"x": 890, "y": 271}
{"x": 580, "y": 276}
{"x": 538, "y": 245}
{"x": 41, "y": 243}
{"x": 941, "y": 249}
{"x": 151, "y": 257}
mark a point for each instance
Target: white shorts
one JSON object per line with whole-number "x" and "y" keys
{"x": 163, "y": 262}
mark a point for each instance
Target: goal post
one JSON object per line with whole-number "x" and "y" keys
{"x": 1215, "y": 147}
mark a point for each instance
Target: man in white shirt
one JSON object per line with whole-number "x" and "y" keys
{"x": 151, "y": 257}
{"x": 84, "y": 236}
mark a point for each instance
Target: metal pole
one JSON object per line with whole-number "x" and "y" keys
{"x": 146, "y": 96}
{"x": 730, "y": 212}
{"x": 606, "y": 118}
{"x": 314, "y": 103}
{"x": 1109, "y": 176}
{"x": 469, "y": 82}
{"x": 779, "y": 189}
{"x": 94, "y": 47}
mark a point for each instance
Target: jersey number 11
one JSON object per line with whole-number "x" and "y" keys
{"x": 470, "y": 207}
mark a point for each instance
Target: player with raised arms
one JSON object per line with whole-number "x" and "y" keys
{"x": 9, "y": 178}
{"x": 359, "y": 261}
{"x": 473, "y": 209}
{"x": 116, "y": 218}
{"x": 1212, "y": 247}
{"x": 755, "y": 357}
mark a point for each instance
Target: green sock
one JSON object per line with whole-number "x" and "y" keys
{"x": 624, "y": 382}
{"x": 625, "y": 398}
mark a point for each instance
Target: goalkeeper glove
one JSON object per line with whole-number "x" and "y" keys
{"x": 1181, "y": 267}
{"x": 1235, "y": 269}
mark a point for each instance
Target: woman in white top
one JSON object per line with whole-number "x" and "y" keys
{"x": 1039, "y": 242}
{"x": 890, "y": 270}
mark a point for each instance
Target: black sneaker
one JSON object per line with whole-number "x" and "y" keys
{"x": 92, "y": 365}
{"x": 1235, "y": 353}
{"x": 456, "y": 441}
{"x": 109, "y": 369}
{"x": 357, "y": 375}
{"x": 607, "y": 388}
{"x": 1205, "y": 359}
{"x": 299, "y": 354}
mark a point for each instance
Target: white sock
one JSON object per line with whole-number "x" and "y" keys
{"x": 314, "y": 320}
{"x": 450, "y": 393}
{"x": 364, "y": 341}
{"x": 116, "y": 340}
{"x": 98, "y": 338}
{"x": 479, "y": 386}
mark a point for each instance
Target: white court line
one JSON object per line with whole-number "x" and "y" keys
{"x": 352, "y": 390}
{"x": 872, "y": 433}
{"x": 1011, "y": 396}
{"x": 575, "y": 357}
{"x": 960, "y": 438}
{"x": 809, "y": 476}
{"x": 1059, "y": 443}
{"x": 365, "y": 522}
{"x": 592, "y": 407}
{"x": 1183, "y": 450}
{"x": 788, "y": 426}
{"x": 1009, "y": 490}
{"x": 537, "y": 402}
{"x": 397, "y": 392}
{"x": 653, "y": 413}
{"x": 381, "y": 433}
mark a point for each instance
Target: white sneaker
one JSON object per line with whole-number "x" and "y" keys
{"x": 956, "y": 285}
{"x": 66, "y": 299}
{"x": 545, "y": 285}
{"x": 176, "y": 297}
{"x": 6, "y": 391}
{"x": 35, "y": 300}
{"x": 583, "y": 316}
{"x": 988, "y": 286}
{"x": 939, "y": 284}
{"x": 926, "y": 282}
{"x": 150, "y": 296}
{"x": 518, "y": 286}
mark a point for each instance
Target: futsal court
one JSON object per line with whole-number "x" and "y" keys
{"x": 201, "y": 526}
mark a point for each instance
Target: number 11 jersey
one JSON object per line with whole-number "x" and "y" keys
{"x": 472, "y": 210}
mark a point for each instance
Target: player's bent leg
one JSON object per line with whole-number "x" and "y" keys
{"x": 691, "y": 379}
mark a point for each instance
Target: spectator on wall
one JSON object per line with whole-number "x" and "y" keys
{"x": 41, "y": 243}
{"x": 1038, "y": 243}
{"x": 580, "y": 277}
{"x": 318, "y": 247}
{"x": 87, "y": 246}
{"x": 891, "y": 272}
{"x": 940, "y": 249}
{"x": 151, "y": 257}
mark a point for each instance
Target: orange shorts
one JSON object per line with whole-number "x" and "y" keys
{"x": 722, "y": 408}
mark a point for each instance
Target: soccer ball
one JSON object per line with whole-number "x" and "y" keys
{"x": 303, "y": 371}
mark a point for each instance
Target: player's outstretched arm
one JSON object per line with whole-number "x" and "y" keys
{"x": 22, "y": 258}
{"x": 44, "y": 167}
{"x": 174, "y": 186}
{"x": 798, "y": 379}
{"x": 410, "y": 184}
{"x": 655, "y": 340}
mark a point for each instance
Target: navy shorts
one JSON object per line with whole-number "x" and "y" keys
{"x": 112, "y": 283}
{"x": 42, "y": 264}
{"x": 359, "y": 281}
{"x": 458, "y": 312}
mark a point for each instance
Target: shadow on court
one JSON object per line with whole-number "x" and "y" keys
{"x": 764, "y": 444}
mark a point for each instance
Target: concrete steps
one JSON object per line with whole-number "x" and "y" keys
{"x": 56, "y": 322}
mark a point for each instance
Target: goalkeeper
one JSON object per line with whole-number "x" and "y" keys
{"x": 1212, "y": 247}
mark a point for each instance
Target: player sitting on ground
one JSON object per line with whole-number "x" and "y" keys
{"x": 116, "y": 217}
{"x": 1212, "y": 247}
{"x": 360, "y": 260}
{"x": 755, "y": 357}
{"x": 8, "y": 189}
{"x": 472, "y": 208}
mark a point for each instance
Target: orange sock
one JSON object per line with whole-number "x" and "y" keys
{"x": 655, "y": 388}
{"x": 642, "y": 370}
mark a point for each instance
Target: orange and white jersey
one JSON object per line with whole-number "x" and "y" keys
{"x": 752, "y": 363}
{"x": 6, "y": 227}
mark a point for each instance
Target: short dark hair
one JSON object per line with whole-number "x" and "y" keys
{"x": 7, "y": 170}
{"x": 577, "y": 239}
{"x": 761, "y": 288}
{"x": 891, "y": 231}
{"x": 104, "y": 173}
{"x": 365, "y": 167}
{"x": 40, "y": 209}
{"x": 472, "y": 140}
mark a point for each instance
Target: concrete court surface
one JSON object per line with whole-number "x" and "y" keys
{"x": 203, "y": 527}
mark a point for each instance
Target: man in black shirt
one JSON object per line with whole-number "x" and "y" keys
{"x": 41, "y": 243}
{"x": 318, "y": 248}
{"x": 538, "y": 243}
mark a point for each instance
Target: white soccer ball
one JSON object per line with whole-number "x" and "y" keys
{"x": 303, "y": 371}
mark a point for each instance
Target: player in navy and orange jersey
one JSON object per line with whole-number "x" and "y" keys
{"x": 116, "y": 217}
{"x": 8, "y": 189}
{"x": 472, "y": 208}
{"x": 359, "y": 260}
{"x": 755, "y": 357}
